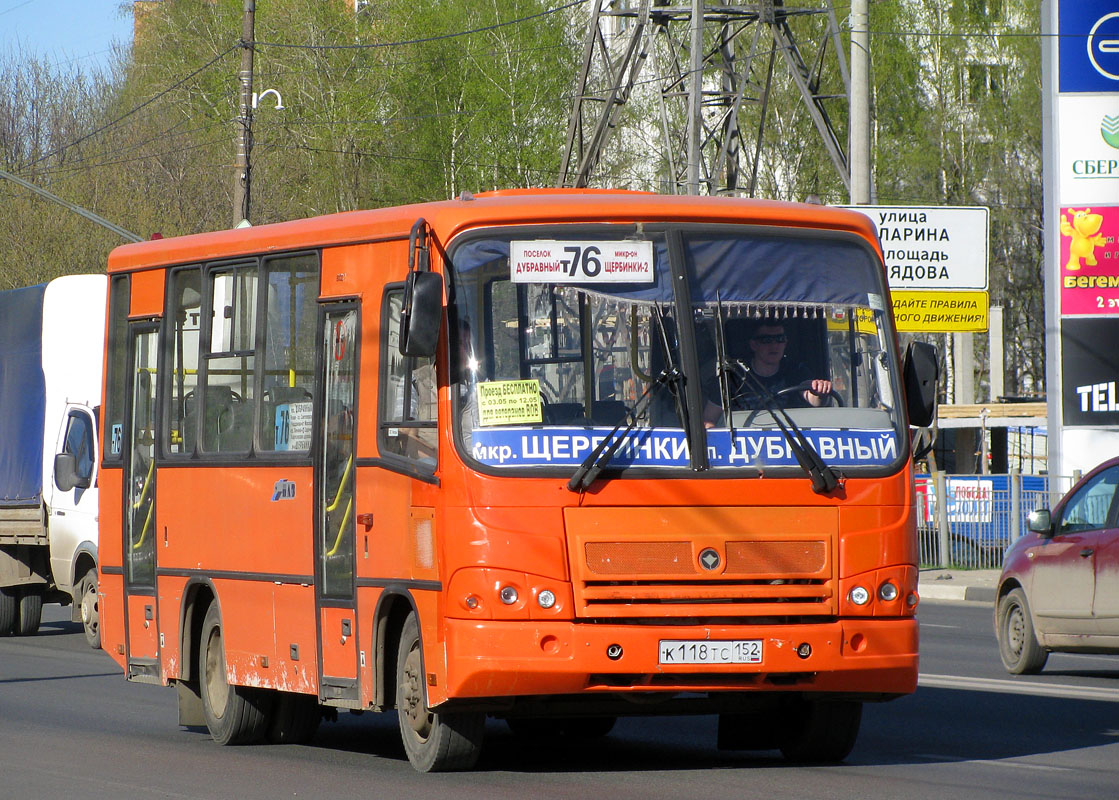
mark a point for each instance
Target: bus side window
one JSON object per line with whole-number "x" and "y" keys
{"x": 409, "y": 393}
{"x": 292, "y": 287}
{"x": 184, "y": 319}
{"x": 226, "y": 415}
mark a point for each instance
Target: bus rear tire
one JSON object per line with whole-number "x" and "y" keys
{"x": 822, "y": 732}
{"x": 234, "y": 714}
{"x": 295, "y": 718}
{"x": 434, "y": 741}
{"x": 9, "y": 609}
{"x": 86, "y": 597}
{"x": 30, "y": 610}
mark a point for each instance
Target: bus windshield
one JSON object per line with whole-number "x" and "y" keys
{"x": 693, "y": 345}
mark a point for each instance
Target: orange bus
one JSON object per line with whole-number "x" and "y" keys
{"x": 522, "y": 455}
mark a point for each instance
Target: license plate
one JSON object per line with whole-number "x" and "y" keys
{"x": 704, "y": 651}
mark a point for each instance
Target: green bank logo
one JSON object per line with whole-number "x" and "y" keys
{"x": 1110, "y": 130}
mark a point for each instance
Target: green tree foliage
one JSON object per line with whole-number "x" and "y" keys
{"x": 957, "y": 97}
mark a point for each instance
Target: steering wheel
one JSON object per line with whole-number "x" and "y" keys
{"x": 802, "y": 387}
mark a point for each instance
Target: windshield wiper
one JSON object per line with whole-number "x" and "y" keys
{"x": 604, "y": 451}
{"x": 823, "y": 477}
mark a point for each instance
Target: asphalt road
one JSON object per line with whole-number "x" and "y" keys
{"x": 71, "y": 726}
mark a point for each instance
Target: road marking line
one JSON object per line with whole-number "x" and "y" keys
{"x": 1019, "y": 687}
{"x": 992, "y": 762}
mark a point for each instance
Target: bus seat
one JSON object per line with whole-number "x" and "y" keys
{"x": 607, "y": 412}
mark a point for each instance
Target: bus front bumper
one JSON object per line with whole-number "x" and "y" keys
{"x": 487, "y": 659}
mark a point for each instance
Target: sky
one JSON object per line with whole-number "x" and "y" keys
{"x": 65, "y": 32}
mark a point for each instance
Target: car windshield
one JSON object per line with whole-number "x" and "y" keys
{"x": 690, "y": 343}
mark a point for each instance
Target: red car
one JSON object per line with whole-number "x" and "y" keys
{"x": 1059, "y": 588}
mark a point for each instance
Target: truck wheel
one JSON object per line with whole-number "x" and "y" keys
{"x": 86, "y": 598}
{"x": 30, "y": 610}
{"x": 234, "y": 714}
{"x": 822, "y": 732}
{"x": 9, "y": 609}
{"x": 434, "y": 741}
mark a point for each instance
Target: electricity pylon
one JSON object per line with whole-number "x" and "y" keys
{"x": 715, "y": 83}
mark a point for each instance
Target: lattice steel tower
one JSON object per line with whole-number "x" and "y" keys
{"x": 715, "y": 82}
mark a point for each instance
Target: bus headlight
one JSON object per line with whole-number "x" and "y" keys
{"x": 888, "y": 591}
{"x": 508, "y": 595}
{"x": 546, "y": 598}
{"x": 860, "y": 596}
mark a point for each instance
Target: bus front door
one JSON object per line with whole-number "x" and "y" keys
{"x": 139, "y": 522}
{"x": 334, "y": 506}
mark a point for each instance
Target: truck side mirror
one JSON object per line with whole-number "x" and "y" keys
{"x": 66, "y": 473}
{"x": 422, "y": 315}
{"x": 921, "y": 374}
{"x": 1040, "y": 521}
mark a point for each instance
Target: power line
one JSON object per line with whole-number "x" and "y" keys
{"x": 424, "y": 40}
{"x": 128, "y": 114}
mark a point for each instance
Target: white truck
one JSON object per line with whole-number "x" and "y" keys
{"x": 51, "y": 352}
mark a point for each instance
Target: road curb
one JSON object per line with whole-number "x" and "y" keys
{"x": 971, "y": 594}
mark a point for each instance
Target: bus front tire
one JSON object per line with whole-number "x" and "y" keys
{"x": 234, "y": 714}
{"x": 434, "y": 741}
{"x": 822, "y": 732}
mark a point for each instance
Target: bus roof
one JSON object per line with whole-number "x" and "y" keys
{"x": 507, "y": 207}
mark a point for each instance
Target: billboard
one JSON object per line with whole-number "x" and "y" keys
{"x": 1089, "y": 267}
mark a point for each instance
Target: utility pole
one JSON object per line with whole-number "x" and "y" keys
{"x": 242, "y": 178}
{"x": 860, "y": 103}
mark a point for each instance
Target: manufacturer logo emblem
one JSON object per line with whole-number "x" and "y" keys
{"x": 283, "y": 490}
{"x": 709, "y": 559}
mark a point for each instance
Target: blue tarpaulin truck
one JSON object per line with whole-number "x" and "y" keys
{"x": 51, "y": 338}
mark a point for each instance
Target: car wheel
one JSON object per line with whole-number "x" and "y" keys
{"x": 86, "y": 596}
{"x": 1018, "y": 647}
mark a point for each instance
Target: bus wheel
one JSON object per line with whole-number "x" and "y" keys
{"x": 30, "y": 610}
{"x": 234, "y": 714}
{"x": 822, "y": 732}
{"x": 434, "y": 741}
{"x": 295, "y": 718}
{"x": 86, "y": 597}
{"x": 9, "y": 609}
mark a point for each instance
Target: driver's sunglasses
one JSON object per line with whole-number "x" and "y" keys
{"x": 771, "y": 338}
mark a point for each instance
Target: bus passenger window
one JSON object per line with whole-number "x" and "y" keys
{"x": 185, "y": 317}
{"x": 410, "y": 394}
{"x": 226, "y": 415}
{"x": 292, "y": 286}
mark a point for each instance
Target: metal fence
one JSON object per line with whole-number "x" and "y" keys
{"x": 981, "y": 516}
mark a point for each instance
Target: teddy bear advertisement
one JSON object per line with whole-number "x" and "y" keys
{"x": 1089, "y": 261}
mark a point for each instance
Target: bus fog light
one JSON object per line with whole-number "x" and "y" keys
{"x": 508, "y": 595}
{"x": 471, "y": 602}
{"x": 546, "y": 599}
{"x": 888, "y": 591}
{"x": 860, "y": 596}
{"x": 911, "y": 599}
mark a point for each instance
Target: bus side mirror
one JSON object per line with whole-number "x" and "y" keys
{"x": 422, "y": 315}
{"x": 1040, "y": 521}
{"x": 921, "y": 375}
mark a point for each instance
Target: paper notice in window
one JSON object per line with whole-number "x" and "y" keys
{"x": 509, "y": 403}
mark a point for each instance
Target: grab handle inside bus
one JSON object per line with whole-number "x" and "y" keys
{"x": 422, "y": 313}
